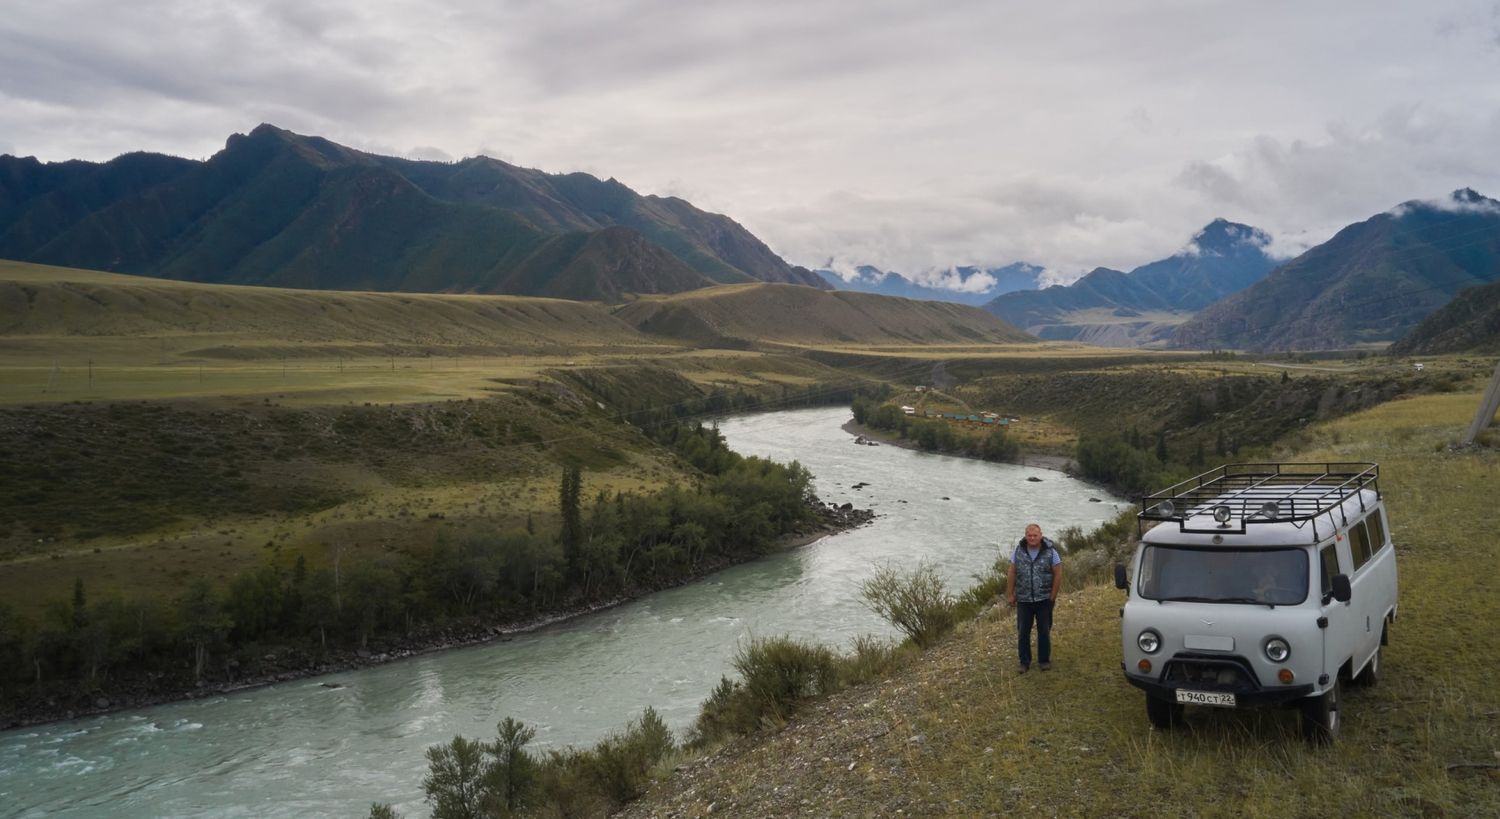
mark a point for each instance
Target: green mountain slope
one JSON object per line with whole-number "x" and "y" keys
{"x": 281, "y": 209}
{"x": 1468, "y": 324}
{"x": 1370, "y": 283}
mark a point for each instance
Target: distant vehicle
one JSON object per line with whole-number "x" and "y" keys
{"x": 1417, "y": 366}
{"x": 1275, "y": 586}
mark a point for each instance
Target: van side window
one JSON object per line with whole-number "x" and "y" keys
{"x": 1377, "y": 531}
{"x": 1329, "y": 558}
{"x": 1359, "y": 545}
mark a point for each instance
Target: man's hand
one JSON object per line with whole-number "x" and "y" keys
{"x": 1011, "y": 599}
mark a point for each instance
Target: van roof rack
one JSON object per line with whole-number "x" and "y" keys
{"x": 1260, "y": 493}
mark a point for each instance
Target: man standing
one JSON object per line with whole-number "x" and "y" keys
{"x": 1031, "y": 585}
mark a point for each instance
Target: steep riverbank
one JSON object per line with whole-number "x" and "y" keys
{"x": 123, "y": 694}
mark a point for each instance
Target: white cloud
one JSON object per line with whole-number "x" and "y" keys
{"x": 912, "y": 138}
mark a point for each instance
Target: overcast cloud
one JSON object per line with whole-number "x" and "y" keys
{"x": 910, "y": 137}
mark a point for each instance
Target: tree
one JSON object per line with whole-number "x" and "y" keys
{"x": 454, "y": 784}
{"x": 571, "y": 534}
{"x": 512, "y": 773}
{"x": 1161, "y": 446}
{"x": 203, "y": 621}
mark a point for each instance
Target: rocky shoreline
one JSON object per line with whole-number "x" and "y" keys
{"x": 284, "y": 665}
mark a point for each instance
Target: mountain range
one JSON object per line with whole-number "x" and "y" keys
{"x": 1114, "y": 308}
{"x": 1369, "y": 284}
{"x": 963, "y": 285}
{"x": 280, "y": 209}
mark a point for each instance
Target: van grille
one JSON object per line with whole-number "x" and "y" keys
{"x": 1228, "y": 674}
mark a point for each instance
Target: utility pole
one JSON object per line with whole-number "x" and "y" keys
{"x": 1488, "y": 404}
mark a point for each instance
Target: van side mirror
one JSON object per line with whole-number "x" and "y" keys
{"x": 1341, "y": 588}
{"x": 1120, "y": 581}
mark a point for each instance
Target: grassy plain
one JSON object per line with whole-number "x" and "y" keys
{"x": 961, "y": 734}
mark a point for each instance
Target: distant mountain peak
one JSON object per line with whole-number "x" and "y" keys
{"x": 1468, "y": 196}
{"x": 1222, "y": 236}
{"x": 1463, "y": 200}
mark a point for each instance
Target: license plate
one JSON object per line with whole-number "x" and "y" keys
{"x": 1205, "y": 698}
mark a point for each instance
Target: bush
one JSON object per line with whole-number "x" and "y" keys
{"x": 780, "y": 671}
{"x": 986, "y": 589}
{"x": 871, "y": 659}
{"x": 917, "y": 603}
{"x": 726, "y": 712}
{"x": 619, "y": 766}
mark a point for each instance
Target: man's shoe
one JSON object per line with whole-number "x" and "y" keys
{"x": 1022, "y": 669}
{"x": 1046, "y": 666}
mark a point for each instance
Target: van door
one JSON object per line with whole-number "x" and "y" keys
{"x": 1337, "y": 618}
{"x": 1367, "y": 594}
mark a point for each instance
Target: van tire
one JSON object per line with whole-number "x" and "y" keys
{"x": 1164, "y": 715}
{"x": 1371, "y": 673}
{"x": 1322, "y": 717}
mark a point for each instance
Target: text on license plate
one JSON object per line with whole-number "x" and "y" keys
{"x": 1205, "y": 698}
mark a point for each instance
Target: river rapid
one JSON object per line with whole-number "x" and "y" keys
{"x": 329, "y": 746}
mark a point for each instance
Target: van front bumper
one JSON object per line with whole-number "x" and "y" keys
{"x": 1249, "y": 696}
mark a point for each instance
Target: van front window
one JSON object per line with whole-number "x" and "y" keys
{"x": 1273, "y": 577}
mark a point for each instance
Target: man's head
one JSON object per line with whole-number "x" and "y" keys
{"x": 1033, "y": 535}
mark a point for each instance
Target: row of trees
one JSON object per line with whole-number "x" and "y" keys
{"x": 935, "y": 435}
{"x": 610, "y": 544}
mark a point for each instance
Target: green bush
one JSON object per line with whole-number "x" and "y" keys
{"x": 780, "y": 671}
{"x": 917, "y": 603}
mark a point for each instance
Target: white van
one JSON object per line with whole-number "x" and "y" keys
{"x": 1260, "y": 584}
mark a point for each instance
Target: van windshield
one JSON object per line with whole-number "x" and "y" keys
{"x": 1272, "y": 577}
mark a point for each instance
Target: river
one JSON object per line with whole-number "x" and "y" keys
{"x": 329, "y": 746}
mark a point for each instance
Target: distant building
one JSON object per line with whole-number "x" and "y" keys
{"x": 908, "y": 410}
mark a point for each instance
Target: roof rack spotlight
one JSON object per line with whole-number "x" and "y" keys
{"x": 1166, "y": 508}
{"x": 1222, "y": 515}
{"x": 1269, "y": 510}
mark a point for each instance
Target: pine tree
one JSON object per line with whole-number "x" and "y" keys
{"x": 568, "y": 505}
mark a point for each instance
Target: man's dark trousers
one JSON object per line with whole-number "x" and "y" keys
{"x": 1042, "y": 613}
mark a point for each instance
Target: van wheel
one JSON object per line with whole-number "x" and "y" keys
{"x": 1163, "y": 714}
{"x": 1320, "y": 716}
{"x": 1371, "y": 673}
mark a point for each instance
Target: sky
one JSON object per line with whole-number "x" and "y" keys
{"x": 909, "y": 136}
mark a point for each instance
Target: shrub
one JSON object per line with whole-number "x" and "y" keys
{"x": 619, "y": 766}
{"x": 871, "y": 658}
{"x": 917, "y": 603}
{"x": 780, "y": 671}
{"x": 726, "y": 712}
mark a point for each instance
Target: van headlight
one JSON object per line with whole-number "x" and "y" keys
{"x": 1149, "y": 641}
{"x": 1277, "y": 650}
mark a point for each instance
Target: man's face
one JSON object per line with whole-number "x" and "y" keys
{"x": 1033, "y": 536}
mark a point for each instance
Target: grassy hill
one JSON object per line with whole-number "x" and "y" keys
{"x": 958, "y": 733}
{"x": 747, "y": 314}
{"x": 49, "y": 302}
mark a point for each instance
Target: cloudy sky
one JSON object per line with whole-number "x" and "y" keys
{"x": 911, "y": 136}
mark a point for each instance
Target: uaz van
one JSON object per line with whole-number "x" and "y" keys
{"x": 1260, "y": 584}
